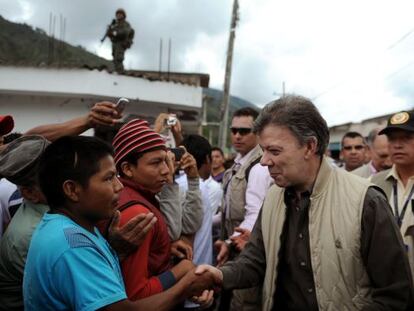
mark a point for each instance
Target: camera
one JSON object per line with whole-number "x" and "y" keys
{"x": 178, "y": 153}
{"x": 171, "y": 121}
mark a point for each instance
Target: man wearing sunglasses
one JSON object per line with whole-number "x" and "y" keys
{"x": 244, "y": 186}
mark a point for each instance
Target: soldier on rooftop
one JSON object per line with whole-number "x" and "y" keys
{"x": 121, "y": 35}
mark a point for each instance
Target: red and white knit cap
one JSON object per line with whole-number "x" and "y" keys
{"x": 135, "y": 136}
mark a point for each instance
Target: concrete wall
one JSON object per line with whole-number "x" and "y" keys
{"x": 42, "y": 96}
{"x": 84, "y": 82}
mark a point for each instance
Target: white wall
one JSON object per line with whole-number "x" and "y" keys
{"x": 31, "y": 111}
{"x": 36, "y": 96}
{"x": 85, "y": 82}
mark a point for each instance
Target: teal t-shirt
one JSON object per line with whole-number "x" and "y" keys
{"x": 69, "y": 268}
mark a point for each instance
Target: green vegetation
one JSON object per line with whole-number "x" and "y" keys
{"x": 21, "y": 44}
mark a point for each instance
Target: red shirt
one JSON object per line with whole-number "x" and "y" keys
{"x": 141, "y": 270}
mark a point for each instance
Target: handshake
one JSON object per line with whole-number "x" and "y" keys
{"x": 200, "y": 284}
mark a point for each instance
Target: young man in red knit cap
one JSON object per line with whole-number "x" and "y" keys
{"x": 141, "y": 160}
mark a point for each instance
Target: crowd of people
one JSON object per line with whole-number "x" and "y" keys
{"x": 139, "y": 224}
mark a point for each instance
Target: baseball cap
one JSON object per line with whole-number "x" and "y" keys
{"x": 403, "y": 120}
{"x": 6, "y": 124}
{"x": 20, "y": 159}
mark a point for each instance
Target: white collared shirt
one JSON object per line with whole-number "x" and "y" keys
{"x": 403, "y": 191}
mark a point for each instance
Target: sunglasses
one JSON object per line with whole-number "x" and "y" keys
{"x": 241, "y": 130}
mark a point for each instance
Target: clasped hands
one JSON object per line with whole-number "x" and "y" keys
{"x": 202, "y": 282}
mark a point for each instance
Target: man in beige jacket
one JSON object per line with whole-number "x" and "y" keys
{"x": 325, "y": 239}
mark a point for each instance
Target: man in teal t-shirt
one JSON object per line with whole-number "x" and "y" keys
{"x": 78, "y": 269}
{"x": 69, "y": 265}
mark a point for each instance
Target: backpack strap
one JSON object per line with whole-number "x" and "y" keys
{"x": 247, "y": 171}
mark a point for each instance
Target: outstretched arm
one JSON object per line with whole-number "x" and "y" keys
{"x": 102, "y": 113}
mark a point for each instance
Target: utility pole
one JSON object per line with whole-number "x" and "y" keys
{"x": 224, "y": 109}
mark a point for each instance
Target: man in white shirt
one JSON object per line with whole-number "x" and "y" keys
{"x": 211, "y": 194}
{"x": 245, "y": 185}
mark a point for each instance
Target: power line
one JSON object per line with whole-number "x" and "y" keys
{"x": 400, "y": 40}
{"x": 405, "y": 36}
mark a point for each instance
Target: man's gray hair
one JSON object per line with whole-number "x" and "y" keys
{"x": 300, "y": 116}
{"x": 372, "y": 135}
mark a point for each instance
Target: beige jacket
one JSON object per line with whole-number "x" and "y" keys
{"x": 335, "y": 216}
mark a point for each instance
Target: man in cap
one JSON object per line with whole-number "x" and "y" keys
{"x": 379, "y": 153}
{"x": 19, "y": 164}
{"x": 121, "y": 35}
{"x": 398, "y": 182}
{"x": 142, "y": 162}
{"x": 325, "y": 239}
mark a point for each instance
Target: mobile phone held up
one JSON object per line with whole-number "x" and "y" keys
{"x": 121, "y": 104}
{"x": 178, "y": 153}
{"x": 170, "y": 121}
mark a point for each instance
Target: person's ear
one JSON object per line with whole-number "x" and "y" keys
{"x": 311, "y": 147}
{"x": 71, "y": 189}
{"x": 126, "y": 169}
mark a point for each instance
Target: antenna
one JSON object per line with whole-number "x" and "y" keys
{"x": 160, "y": 61}
{"x": 169, "y": 58}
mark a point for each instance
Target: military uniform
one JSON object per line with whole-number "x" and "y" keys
{"x": 120, "y": 34}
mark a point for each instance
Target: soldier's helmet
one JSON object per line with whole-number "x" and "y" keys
{"x": 121, "y": 11}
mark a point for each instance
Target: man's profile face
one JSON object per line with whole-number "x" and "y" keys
{"x": 353, "y": 152}
{"x": 100, "y": 198}
{"x": 380, "y": 153}
{"x": 217, "y": 160}
{"x": 242, "y": 137}
{"x": 151, "y": 171}
{"x": 401, "y": 144}
{"x": 283, "y": 155}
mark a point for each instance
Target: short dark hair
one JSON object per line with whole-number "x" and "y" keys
{"x": 69, "y": 158}
{"x": 198, "y": 147}
{"x": 246, "y": 112}
{"x": 300, "y": 116}
{"x": 218, "y": 149}
{"x": 352, "y": 135}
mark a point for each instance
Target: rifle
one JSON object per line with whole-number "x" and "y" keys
{"x": 107, "y": 30}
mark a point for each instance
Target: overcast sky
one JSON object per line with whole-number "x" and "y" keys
{"x": 354, "y": 58}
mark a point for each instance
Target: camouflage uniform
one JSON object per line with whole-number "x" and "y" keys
{"x": 119, "y": 33}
